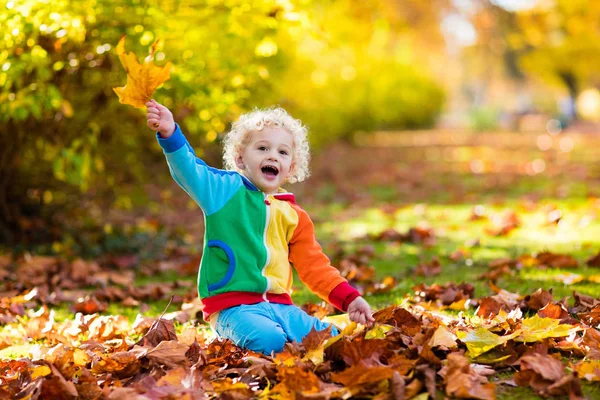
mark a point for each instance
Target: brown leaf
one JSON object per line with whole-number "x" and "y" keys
{"x": 569, "y": 385}
{"x": 161, "y": 329}
{"x": 318, "y": 310}
{"x": 293, "y": 380}
{"x": 429, "y": 269}
{"x": 315, "y": 338}
{"x": 170, "y": 353}
{"x": 594, "y": 261}
{"x": 413, "y": 388}
{"x": 87, "y": 386}
{"x": 122, "y": 364}
{"x": 55, "y": 386}
{"x": 90, "y": 305}
{"x": 443, "y": 338}
{"x": 31, "y": 391}
{"x": 539, "y": 299}
{"x": 591, "y": 317}
{"x": 488, "y": 308}
{"x": 463, "y": 382}
{"x": 367, "y": 352}
{"x": 556, "y": 260}
{"x": 397, "y": 386}
{"x": 426, "y": 354}
{"x": 142, "y": 79}
{"x": 556, "y": 311}
{"x": 82, "y": 270}
{"x": 546, "y": 375}
{"x": 420, "y": 235}
{"x": 583, "y": 302}
{"x": 399, "y": 317}
{"x": 361, "y": 374}
{"x": 539, "y": 371}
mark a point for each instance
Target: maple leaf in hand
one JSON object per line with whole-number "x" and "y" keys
{"x": 142, "y": 79}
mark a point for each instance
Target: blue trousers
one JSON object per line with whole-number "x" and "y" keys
{"x": 266, "y": 327}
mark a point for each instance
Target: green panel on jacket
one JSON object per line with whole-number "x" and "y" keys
{"x": 240, "y": 224}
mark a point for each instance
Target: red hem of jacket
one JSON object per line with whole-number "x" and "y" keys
{"x": 222, "y": 301}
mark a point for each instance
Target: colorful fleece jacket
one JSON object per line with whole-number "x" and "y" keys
{"x": 251, "y": 239}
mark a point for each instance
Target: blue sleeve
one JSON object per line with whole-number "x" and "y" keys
{"x": 209, "y": 187}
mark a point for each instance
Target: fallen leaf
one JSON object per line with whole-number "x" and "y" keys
{"x": 588, "y": 369}
{"x": 361, "y": 374}
{"x": 556, "y": 260}
{"x": 536, "y": 329}
{"x": 432, "y": 268}
{"x": 481, "y": 340}
{"x": 444, "y": 338}
{"x": 161, "y": 329}
{"x": 594, "y": 261}
{"x": 463, "y": 382}
{"x": 170, "y": 353}
{"x": 539, "y": 299}
{"x": 556, "y": 311}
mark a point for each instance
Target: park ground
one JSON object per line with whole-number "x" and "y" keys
{"x": 408, "y": 218}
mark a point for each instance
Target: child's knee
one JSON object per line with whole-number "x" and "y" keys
{"x": 267, "y": 341}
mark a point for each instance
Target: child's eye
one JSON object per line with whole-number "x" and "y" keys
{"x": 283, "y": 152}
{"x": 262, "y": 148}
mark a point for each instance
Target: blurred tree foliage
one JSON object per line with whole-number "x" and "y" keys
{"x": 561, "y": 44}
{"x": 341, "y": 66}
{"x": 557, "y": 42}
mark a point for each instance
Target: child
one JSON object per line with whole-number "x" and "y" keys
{"x": 254, "y": 230}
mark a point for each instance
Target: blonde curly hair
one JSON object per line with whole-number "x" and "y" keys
{"x": 257, "y": 120}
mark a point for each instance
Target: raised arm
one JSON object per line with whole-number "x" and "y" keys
{"x": 209, "y": 187}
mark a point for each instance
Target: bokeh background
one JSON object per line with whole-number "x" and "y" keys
{"x": 443, "y": 85}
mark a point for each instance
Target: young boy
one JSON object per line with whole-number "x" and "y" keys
{"x": 254, "y": 231}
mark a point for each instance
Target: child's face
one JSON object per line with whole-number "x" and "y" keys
{"x": 267, "y": 158}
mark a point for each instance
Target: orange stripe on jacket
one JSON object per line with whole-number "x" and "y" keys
{"x": 313, "y": 266}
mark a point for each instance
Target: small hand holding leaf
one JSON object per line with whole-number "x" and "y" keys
{"x": 142, "y": 79}
{"x": 160, "y": 119}
{"x": 359, "y": 311}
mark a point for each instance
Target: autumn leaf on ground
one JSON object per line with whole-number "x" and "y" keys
{"x": 142, "y": 79}
{"x": 553, "y": 260}
{"x": 314, "y": 343}
{"x": 594, "y": 261}
{"x": 588, "y": 369}
{"x": 462, "y": 381}
{"x": 481, "y": 340}
{"x": 546, "y": 375}
{"x": 536, "y": 329}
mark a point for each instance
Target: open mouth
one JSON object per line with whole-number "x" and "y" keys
{"x": 270, "y": 171}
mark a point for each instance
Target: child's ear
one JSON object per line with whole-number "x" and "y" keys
{"x": 239, "y": 162}
{"x": 292, "y": 167}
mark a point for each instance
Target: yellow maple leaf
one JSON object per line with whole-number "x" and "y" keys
{"x": 588, "y": 369}
{"x": 536, "y": 329}
{"x": 142, "y": 79}
{"x": 481, "y": 340}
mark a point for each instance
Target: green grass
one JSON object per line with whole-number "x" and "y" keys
{"x": 454, "y": 231}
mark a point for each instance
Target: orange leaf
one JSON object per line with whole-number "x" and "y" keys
{"x": 142, "y": 79}
{"x": 361, "y": 374}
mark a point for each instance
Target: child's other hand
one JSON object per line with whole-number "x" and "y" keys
{"x": 160, "y": 119}
{"x": 360, "y": 312}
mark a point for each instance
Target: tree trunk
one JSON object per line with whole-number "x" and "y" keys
{"x": 572, "y": 85}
